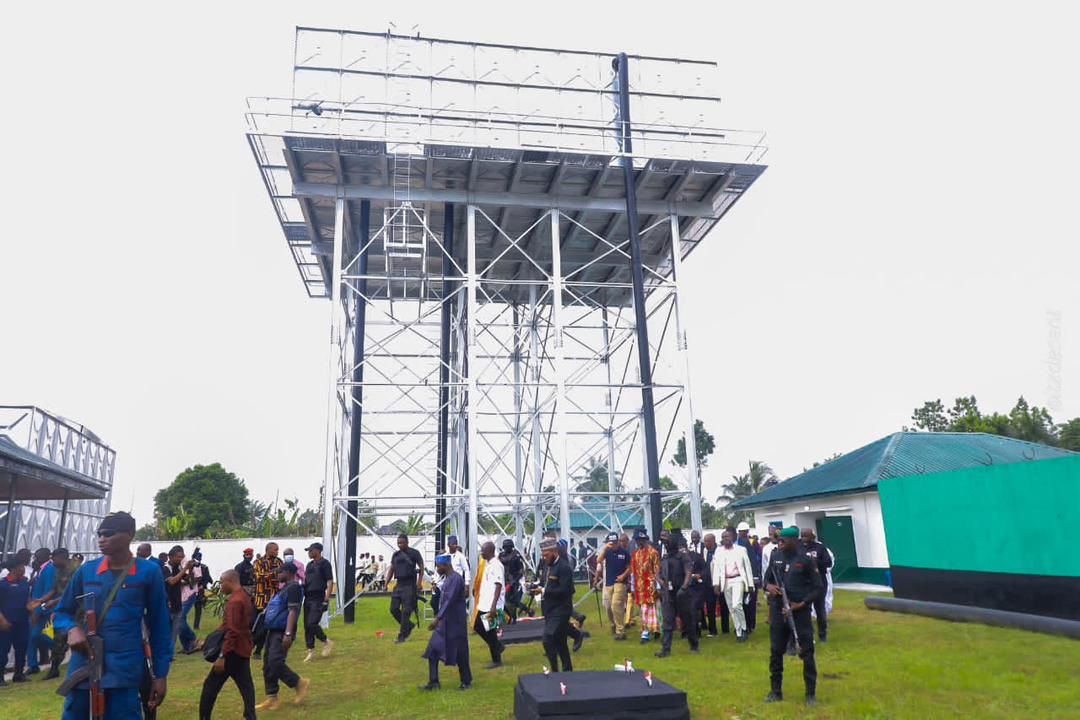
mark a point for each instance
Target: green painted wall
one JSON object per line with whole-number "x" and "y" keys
{"x": 1017, "y": 518}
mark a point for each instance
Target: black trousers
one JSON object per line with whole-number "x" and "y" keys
{"x": 707, "y": 616}
{"x": 491, "y": 637}
{"x": 464, "y": 671}
{"x": 819, "y": 610}
{"x": 780, "y": 636}
{"x": 239, "y": 669}
{"x": 199, "y": 603}
{"x": 683, "y": 605}
{"x": 750, "y": 608}
{"x": 313, "y": 610}
{"x": 514, "y": 604}
{"x": 402, "y": 607}
{"x": 556, "y": 631}
{"x": 275, "y": 668}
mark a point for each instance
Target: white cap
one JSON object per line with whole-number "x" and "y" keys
{"x": 743, "y": 526}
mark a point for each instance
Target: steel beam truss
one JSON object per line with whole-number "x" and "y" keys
{"x": 541, "y": 398}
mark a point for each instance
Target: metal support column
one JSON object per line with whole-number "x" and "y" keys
{"x": 444, "y": 378}
{"x": 559, "y": 444}
{"x": 537, "y": 429}
{"x": 9, "y": 523}
{"x": 519, "y": 477}
{"x": 473, "y": 445}
{"x": 613, "y": 519}
{"x": 681, "y": 347}
{"x": 331, "y": 480}
{"x": 63, "y": 522}
{"x": 652, "y": 462}
{"x": 347, "y": 583}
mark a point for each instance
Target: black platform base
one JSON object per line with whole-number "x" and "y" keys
{"x": 597, "y": 695}
{"x": 525, "y": 631}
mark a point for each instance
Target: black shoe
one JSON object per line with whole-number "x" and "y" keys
{"x": 821, "y": 639}
{"x": 695, "y": 649}
{"x": 464, "y": 686}
{"x": 493, "y": 664}
{"x": 52, "y": 674}
{"x": 619, "y": 638}
{"x": 811, "y": 701}
{"x": 579, "y": 642}
{"x": 400, "y": 640}
{"x": 774, "y": 697}
{"x": 431, "y": 686}
{"x": 662, "y": 653}
{"x": 33, "y": 671}
{"x": 740, "y": 638}
{"x": 19, "y": 678}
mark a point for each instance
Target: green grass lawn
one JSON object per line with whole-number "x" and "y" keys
{"x": 876, "y": 665}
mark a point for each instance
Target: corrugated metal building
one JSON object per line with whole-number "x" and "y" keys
{"x": 55, "y": 481}
{"x": 840, "y": 498}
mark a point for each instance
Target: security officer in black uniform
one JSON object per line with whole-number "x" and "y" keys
{"x": 789, "y": 566}
{"x": 700, "y": 577}
{"x": 556, "y": 603}
{"x": 820, "y": 554}
{"x": 676, "y": 599}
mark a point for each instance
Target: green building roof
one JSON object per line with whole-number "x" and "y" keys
{"x": 897, "y": 455}
{"x": 598, "y": 516}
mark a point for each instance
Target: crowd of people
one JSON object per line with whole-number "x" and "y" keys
{"x": 121, "y": 617}
{"x": 674, "y": 586}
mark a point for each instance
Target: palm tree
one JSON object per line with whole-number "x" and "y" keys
{"x": 761, "y": 476}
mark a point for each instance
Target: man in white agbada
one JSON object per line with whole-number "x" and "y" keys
{"x": 732, "y": 575}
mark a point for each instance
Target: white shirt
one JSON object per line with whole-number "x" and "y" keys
{"x": 493, "y": 575}
{"x": 459, "y": 564}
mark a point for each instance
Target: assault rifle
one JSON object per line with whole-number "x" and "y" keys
{"x": 95, "y": 661}
{"x": 787, "y": 609}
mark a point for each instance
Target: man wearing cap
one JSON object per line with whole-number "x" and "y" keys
{"x": 449, "y": 640}
{"x": 614, "y": 558}
{"x": 138, "y": 597}
{"x": 280, "y": 619}
{"x": 823, "y": 558}
{"x": 318, "y": 578}
{"x": 556, "y": 603}
{"x": 63, "y": 570}
{"x": 45, "y": 596}
{"x": 753, "y": 553}
{"x": 790, "y": 567}
{"x": 514, "y": 565}
{"x": 732, "y": 575}
{"x": 246, "y": 570}
{"x": 407, "y": 567}
{"x": 645, "y": 567}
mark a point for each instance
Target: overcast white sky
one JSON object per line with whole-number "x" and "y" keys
{"x": 917, "y": 221}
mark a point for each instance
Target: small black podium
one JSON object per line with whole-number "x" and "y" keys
{"x": 598, "y": 695}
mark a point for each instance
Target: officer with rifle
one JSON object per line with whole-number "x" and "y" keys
{"x": 102, "y": 611}
{"x": 792, "y": 582}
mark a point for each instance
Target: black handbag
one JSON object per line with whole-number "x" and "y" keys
{"x": 212, "y": 645}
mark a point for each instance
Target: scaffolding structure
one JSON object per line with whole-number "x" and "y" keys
{"x": 501, "y": 246}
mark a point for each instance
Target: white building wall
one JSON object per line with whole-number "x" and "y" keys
{"x": 863, "y": 508}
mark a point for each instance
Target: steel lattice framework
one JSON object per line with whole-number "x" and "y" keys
{"x": 487, "y": 357}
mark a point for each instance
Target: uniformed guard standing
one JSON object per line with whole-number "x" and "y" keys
{"x": 126, "y": 592}
{"x": 798, "y": 574}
